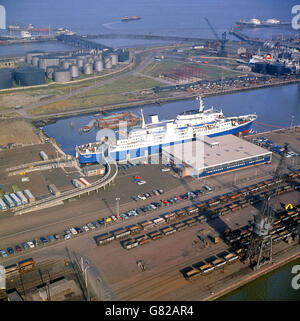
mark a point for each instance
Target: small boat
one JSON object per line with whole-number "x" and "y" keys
{"x": 133, "y": 18}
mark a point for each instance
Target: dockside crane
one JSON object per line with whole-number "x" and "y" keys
{"x": 222, "y": 52}
{"x": 260, "y": 248}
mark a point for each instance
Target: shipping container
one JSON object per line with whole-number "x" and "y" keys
{"x": 136, "y": 229}
{"x": 155, "y": 235}
{"x": 206, "y": 268}
{"x": 159, "y": 221}
{"x": 30, "y": 197}
{"x": 121, "y": 234}
{"x": 22, "y": 197}
{"x": 11, "y": 269}
{"x": 8, "y": 201}
{"x": 192, "y": 274}
{"x": 3, "y": 206}
{"x": 54, "y": 190}
{"x": 168, "y": 230}
{"x": 15, "y": 199}
{"x": 84, "y": 181}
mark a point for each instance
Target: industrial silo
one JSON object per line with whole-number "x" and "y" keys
{"x": 62, "y": 75}
{"x": 80, "y": 62}
{"x": 114, "y": 59}
{"x": 88, "y": 69}
{"x": 90, "y": 60}
{"x": 260, "y": 67}
{"x": 98, "y": 65}
{"x": 50, "y": 71}
{"x": 46, "y": 61}
{"x": 74, "y": 70}
{"x": 6, "y": 77}
{"x": 35, "y": 61}
{"x": 66, "y": 64}
{"x": 107, "y": 62}
{"x": 31, "y": 54}
{"x": 276, "y": 69}
{"x": 29, "y": 76}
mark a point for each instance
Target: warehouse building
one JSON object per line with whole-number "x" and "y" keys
{"x": 94, "y": 170}
{"x": 222, "y": 154}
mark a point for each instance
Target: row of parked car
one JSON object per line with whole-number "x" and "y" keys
{"x": 71, "y": 232}
{"x": 269, "y": 144}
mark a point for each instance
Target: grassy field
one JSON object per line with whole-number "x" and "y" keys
{"x": 213, "y": 72}
{"x": 123, "y": 90}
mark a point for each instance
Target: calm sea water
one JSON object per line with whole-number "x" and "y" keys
{"x": 167, "y": 17}
{"x": 274, "y": 286}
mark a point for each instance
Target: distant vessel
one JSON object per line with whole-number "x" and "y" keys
{"x": 125, "y": 19}
{"x": 254, "y": 22}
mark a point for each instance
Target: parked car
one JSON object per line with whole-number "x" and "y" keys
{"x": 101, "y": 222}
{"x": 142, "y": 197}
{"x": 134, "y": 198}
{"x": 3, "y": 253}
{"x": 85, "y": 228}
{"x": 43, "y": 240}
{"x": 160, "y": 191}
{"x": 25, "y": 246}
{"x": 18, "y": 248}
{"x": 207, "y": 188}
{"x": 155, "y": 192}
{"x": 124, "y": 216}
{"x": 141, "y": 182}
{"x": 165, "y": 202}
{"x": 30, "y": 244}
{"x": 73, "y": 231}
{"x": 51, "y": 238}
{"x": 153, "y": 206}
{"x": 56, "y": 236}
{"x": 10, "y": 250}
{"x": 35, "y": 242}
{"x": 78, "y": 229}
{"x": 91, "y": 226}
{"x": 67, "y": 236}
{"x": 95, "y": 224}
{"x": 156, "y": 204}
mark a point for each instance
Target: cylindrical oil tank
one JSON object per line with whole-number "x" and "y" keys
{"x": 90, "y": 60}
{"x": 98, "y": 65}
{"x": 62, "y": 75}
{"x": 66, "y": 64}
{"x": 35, "y": 60}
{"x": 80, "y": 62}
{"x": 46, "y": 61}
{"x": 31, "y": 54}
{"x": 107, "y": 62}
{"x": 276, "y": 69}
{"x": 74, "y": 70}
{"x": 88, "y": 69}
{"x": 260, "y": 67}
{"x": 114, "y": 59}
{"x": 50, "y": 71}
{"x": 6, "y": 77}
{"x": 29, "y": 76}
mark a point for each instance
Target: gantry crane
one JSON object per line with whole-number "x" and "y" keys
{"x": 260, "y": 248}
{"x": 222, "y": 52}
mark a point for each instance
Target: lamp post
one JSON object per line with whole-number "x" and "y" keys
{"x": 118, "y": 207}
{"x": 86, "y": 282}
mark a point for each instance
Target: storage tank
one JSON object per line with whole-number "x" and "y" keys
{"x": 90, "y": 60}
{"x": 260, "y": 67}
{"x": 80, "y": 62}
{"x": 114, "y": 59}
{"x": 98, "y": 65}
{"x": 276, "y": 69}
{"x": 6, "y": 77}
{"x": 33, "y": 53}
{"x": 107, "y": 62}
{"x": 35, "y": 60}
{"x": 74, "y": 70}
{"x": 88, "y": 69}
{"x": 46, "y": 61}
{"x": 30, "y": 76}
{"x": 66, "y": 64}
{"x": 62, "y": 75}
{"x": 50, "y": 71}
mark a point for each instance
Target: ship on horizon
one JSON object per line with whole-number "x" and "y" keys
{"x": 149, "y": 139}
{"x": 254, "y": 22}
{"x": 133, "y": 18}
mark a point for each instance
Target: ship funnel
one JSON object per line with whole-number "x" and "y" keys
{"x": 154, "y": 119}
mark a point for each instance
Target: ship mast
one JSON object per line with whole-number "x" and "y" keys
{"x": 143, "y": 119}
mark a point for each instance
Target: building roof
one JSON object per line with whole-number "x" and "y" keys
{"x": 217, "y": 151}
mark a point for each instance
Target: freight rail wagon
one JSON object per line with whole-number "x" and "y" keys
{"x": 30, "y": 197}
{"x": 15, "y": 199}
{"x": 8, "y": 201}
{"x": 77, "y": 183}
{"x": 26, "y": 265}
{"x": 2, "y": 205}
{"x": 22, "y": 197}
{"x": 84, "y": 181}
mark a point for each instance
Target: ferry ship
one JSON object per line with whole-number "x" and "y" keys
{"x": 148, "y": 139}
{"x": 133, "y": 18}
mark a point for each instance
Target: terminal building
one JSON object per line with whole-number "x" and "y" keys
{"x": 213, "y": 156}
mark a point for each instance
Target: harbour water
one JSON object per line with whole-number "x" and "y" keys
{"x": 274, "y": 106}
{"x": 168, "y": 17}
{"x": 274, "y": 286}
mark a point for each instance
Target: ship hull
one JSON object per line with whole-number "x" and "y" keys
{"x": 129, "y": 154}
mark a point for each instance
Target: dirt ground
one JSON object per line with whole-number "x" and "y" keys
{"x": 18, "y": 132}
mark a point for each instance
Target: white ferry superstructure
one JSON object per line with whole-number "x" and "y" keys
{"x": 150, "y": 138}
